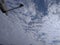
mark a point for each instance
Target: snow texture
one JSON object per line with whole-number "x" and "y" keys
{"x": 28, "y": 26}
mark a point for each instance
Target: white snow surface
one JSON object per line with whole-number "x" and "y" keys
{"x": 21, "y": 27}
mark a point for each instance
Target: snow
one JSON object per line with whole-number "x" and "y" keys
{"x": 27, "y": 26}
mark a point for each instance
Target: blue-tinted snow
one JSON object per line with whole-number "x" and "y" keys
{"x": 29, "y": 26}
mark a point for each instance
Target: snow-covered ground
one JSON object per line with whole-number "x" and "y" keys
{"x": 28, "y": 26}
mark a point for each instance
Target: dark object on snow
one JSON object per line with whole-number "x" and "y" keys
{"x": 21, "y": 5}
{"x": 3, "y": 7}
